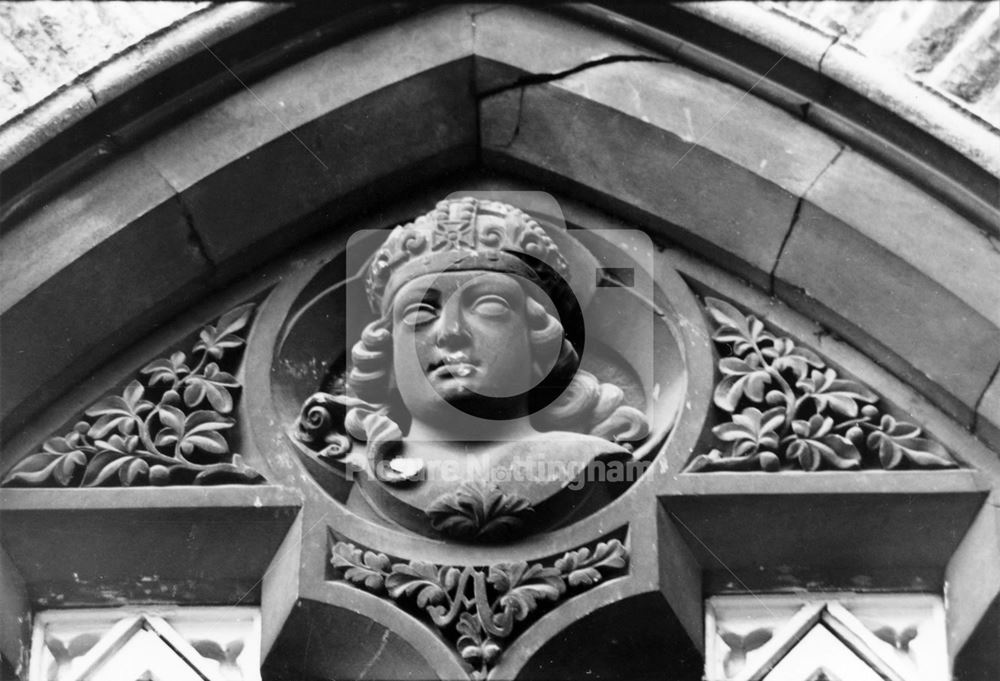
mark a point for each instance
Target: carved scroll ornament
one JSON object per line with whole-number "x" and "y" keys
{"x": 787, "y": 409}
{"x": 167, "y": 428}
{"x": 479, "y": 609}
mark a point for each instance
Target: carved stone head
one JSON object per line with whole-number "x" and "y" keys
{"x": 474, "y": 356}
{"x": 475, "y": 313}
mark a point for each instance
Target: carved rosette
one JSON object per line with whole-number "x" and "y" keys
{"x": 168, "y": 427}
{"x": 785, "y": 408}
{"x": 479, "y": 609}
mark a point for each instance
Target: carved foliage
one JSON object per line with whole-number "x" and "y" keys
{"x": 478, "y": 511}
{"x": 167, "y": 428}
{"x": 787, "y": 408}
{"x": 479, "y": 609}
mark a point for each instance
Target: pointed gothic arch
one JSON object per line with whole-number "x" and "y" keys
{"x": 758, "y": 157}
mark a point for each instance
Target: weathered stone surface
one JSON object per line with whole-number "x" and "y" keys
{"x": 683, "y": 191}
{"x": 44, "y": 45}
{"x": 890, "y": 309}
{"x": 944, "y": 45}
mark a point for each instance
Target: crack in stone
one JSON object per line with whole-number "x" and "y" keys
{"x": 819, "y": 64}
{"x": 517, "y": 123}
{"x": 378, "y": 654}
{"x": 795, "y": 217}
{"x": 784, "y": 241}
{"x": 194, "y": 239}
{"x": 538, "y": 78}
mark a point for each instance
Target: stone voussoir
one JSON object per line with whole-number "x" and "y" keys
{"x": 889, "y": 308}
{"x": 682, "y": 191}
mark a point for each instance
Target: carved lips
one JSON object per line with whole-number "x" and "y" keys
{"x": 453, "y": 365}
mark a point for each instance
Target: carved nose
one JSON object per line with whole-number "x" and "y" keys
{"x": 451, "y": 326}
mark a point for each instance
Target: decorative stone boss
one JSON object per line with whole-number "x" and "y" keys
{"x": 467, "y": 388}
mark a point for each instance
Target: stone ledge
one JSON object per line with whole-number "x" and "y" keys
{"x": 216, "y": 541}
{"x": 861, "y": 521}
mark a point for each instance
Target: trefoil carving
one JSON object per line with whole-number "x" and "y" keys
{"x": 479, "y": 609}
{"x": 167, "y": 427}
{"x": 788, "y": 409}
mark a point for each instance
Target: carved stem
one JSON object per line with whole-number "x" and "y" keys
{"x": 791, "y": 404}
{"x": 147, "y": 440}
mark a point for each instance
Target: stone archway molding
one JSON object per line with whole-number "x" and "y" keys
{"x": 759, "y": 191}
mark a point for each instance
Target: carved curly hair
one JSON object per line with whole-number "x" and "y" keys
{"x": 567, "y": 399}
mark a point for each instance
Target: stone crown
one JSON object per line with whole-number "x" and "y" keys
{"x": 465, "y": 233}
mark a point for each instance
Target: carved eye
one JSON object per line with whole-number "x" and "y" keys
{"x": 491, "y": 306}
{"x": 419, "y": 313}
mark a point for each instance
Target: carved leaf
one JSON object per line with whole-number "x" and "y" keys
{"x": 213, "y": 340}
{"x": 478, "y": 511}
{"x": 899, "y": 442}
{"x": 234, "y": 472}
{"x": 361, "y": 567}
{"x": 119, "y": 456}
{"x": 734, "y": 327}
{"x": 523, "y": 586}
{"x": 784, "y": 354}
{"x": 743, "y": 377}
{"x": 122, "y": 413}
{"x": 214, "y": 385}
{"x": 813, "y": 444}
{"x": 209, "y": 649}
{"x": 198, "y": 430}
{"x": 897, "y": 639}
{"x": 473, "y": 644}
{"x": 824, "y": 420}
{"x": 485, "y": 622}
{"x": 739, "y": 646}
{"x": 715, "y": 460}
{"x": 838, "y": 394}
{"x": 580, "y": 567}
{"x": 62, "y": 468}
{"x": 418, "y": 577}
{"x": 167, "y": 370}
{"x": 118, "y": 443}
{"x": 752, "y": 430}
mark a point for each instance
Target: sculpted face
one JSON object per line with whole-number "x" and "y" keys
{"x": 462, "y": 338}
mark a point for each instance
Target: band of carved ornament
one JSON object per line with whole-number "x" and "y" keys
{"x": 787, "y": 409}
{"x": 167, "y": 428}
{"x": 479, "y": 609}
